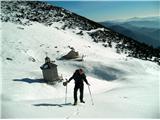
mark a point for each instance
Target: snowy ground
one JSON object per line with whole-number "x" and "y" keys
{"x": 121, "y": 87}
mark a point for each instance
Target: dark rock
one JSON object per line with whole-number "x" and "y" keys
{"x": 9, "y": 59}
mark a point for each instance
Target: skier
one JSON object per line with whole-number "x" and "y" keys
{"x": 79, "y": 77}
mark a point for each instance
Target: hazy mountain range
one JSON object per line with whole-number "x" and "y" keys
{"x": 145, "y": 29}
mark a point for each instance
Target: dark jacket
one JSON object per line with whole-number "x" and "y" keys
{"x": 78, "y": 78}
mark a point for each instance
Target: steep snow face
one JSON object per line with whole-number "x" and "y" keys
{"x": 122, "y": 87}
{"x": 34, "y": 41}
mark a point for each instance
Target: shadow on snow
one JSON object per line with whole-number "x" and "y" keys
{"x": 47, "y": 104}
{"x": 29, "y": 80}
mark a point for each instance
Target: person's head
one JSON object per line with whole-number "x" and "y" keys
{"x": 81, "y": 71}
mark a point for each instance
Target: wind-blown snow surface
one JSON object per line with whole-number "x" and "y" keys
{"x": 121, "y": 87}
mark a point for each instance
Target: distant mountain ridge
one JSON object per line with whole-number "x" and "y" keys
{"x": 151, "y": 22}
{"x": 145, "y": 30}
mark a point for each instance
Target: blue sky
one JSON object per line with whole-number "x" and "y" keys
{"x": 111, "y": 10}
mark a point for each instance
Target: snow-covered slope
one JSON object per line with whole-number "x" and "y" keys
{"x": 122, "y": 87}
{"x": 23, "y": 12}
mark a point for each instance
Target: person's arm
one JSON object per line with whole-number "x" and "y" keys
{"x": 85, "y": 80}
{"x": 71, "y": 78}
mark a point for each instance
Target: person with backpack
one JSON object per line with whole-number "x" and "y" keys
{"x": 79, "y": 77}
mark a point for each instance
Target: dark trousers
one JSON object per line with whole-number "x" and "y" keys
{"x": 80, "y": 87}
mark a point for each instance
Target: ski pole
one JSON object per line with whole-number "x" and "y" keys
{"x": 66, "y": 93}
{"x": 90, "y": 95}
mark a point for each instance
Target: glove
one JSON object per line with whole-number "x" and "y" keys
{"x": 65, "y": 83}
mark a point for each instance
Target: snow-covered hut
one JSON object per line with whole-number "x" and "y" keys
{"x": 71, "y": 55}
